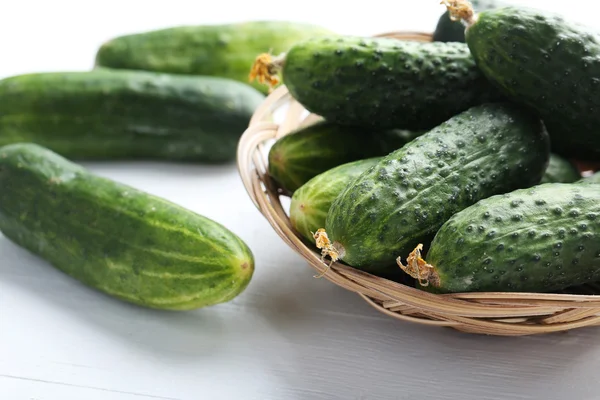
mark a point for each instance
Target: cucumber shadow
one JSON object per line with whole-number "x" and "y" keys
{"x": 178, "y": 335}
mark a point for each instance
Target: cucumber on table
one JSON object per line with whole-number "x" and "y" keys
{"x": 310, "y": 203}
{"x": 309, "y": 151}
{"x": 539, "y": 239}
{"x": 489, "y": 149}
{"x": 225, "y": 50}
{"x": 543, "y": 61}
{"x": 116, "y": 114}
{"x": 119, "y": 240}
{"x": 560, "y": 170}
{"x": 380, "y": 82}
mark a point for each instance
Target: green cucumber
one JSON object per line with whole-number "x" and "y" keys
{"x": 540, "y": 60}
{"x": 119, "y": 240}
{"x": 305, "y": 153}
{"x": 382, "y": 82}
{"x": 540, "y": 239}
{"x": 116, "y": 114}
{"x": 311, "y": 202}
{"x": 560, "y": 170}
{"x": 403, "y": 200}
{"x": 225, "y": 50}
{"x": 448, "y": 30}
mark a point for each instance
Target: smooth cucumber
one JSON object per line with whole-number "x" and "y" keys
{"x": 560, "y": 170}
{"x": 119, "y": 240}
{"x": 225, "y": 50}
{"x": 543, "y": 61}
{"x": 539, "y": 239}
{"x": 404, "y": 199}
{"x": 305, "y": 153}
{"x": 311, "y": 202}
{"x": 448, "y": 30}
{"x": 116, "y": 114}
{"x": 383, "y": 82}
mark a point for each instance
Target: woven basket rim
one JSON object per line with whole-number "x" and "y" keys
{"x": 490, "y": 313}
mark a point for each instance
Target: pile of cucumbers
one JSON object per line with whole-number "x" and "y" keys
{"x": 175, "y": 95}
{"x": 451, "y": 163}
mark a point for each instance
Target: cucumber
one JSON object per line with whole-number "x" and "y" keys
{"x": 310, "y": 203}
{"x": 402, "y": 201}
{"x": 116, "y": 114}
{"x": 540, "y": 60}
{"x": 114, "y": 238}
{"x": 305, "y": 153}
{"x": 380, "y": 83}
{"x": 448, "y": 30}
{"x": 225, "y": 50}
{"x": 560, "y": 170}
{"x": 540, "y": 239}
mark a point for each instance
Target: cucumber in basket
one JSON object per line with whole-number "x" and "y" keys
{"x": 449, "y": 30}
{"x": 124, "y": 242}
{"x": 311, "y": 202}
{"x": 489, "y": 149}
{"x": 117, "y": 114}
{"x": 380, "y": 82}
{"x": 309, "y": 151}
{"x": 225, "y": 50}
{"x": 560, "y": 170}
{"x": 539, "y": 239}
{"x": 543, "y": 61}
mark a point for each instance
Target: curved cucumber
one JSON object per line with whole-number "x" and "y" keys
{"x": 383, "y": 82}
{"x": 114, "y": 238}
{"x": 310, "y": 203}
{"x": 540, "y": 239}
{"x": 545, "y": 62}
{"x": 301, "y": 155}
{"x": 225, "y": 50}
{"x": 115, "y": 114}
{"x": 410, "y": 193}
{"x": 560, "y": 170}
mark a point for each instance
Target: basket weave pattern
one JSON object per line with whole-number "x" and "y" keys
{"x": 506, "y": 314}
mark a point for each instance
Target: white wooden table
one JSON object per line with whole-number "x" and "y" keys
{"x": 288, "y": 336}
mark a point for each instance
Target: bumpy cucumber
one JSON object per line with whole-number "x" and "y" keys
{"x": 540, "y": 60}
{"x": 539, "y": 239}
{"x": 311, "y": 202}
{"x": 124, "y": 242}
{"x": 116, "y": 114}
{"x": 111, "y": 114}
{"x": 403, "y": 200}
{"x": 383, "y": 82}
{"x": 225, "y": 50}
{"x": 448, "y": 30}
{"x": 560, "y": 170}
{"x": 307, "y": 152}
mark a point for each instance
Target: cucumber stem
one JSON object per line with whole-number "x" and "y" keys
{"x": 266, "y": 68}
{"x": 461, "y": 10}
{"x": 327, "y": 249}
{"x": 418, "y": 268}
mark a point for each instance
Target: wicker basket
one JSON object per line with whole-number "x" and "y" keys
{"x": 507, "y": 314}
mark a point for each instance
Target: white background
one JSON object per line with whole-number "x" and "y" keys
{"x": 288, "y": 336}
